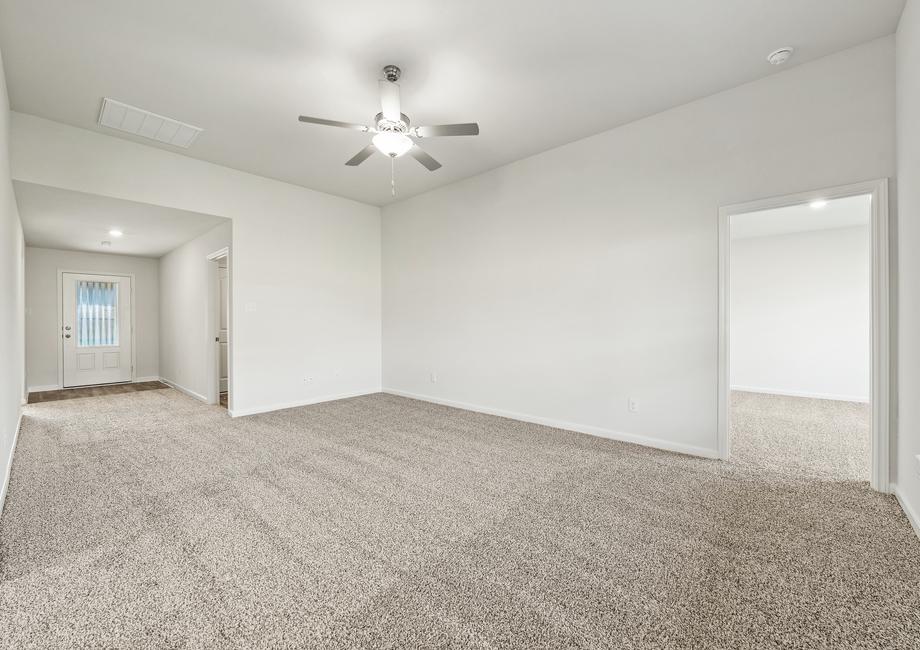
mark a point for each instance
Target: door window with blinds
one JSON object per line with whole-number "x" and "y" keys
{"x": 97, "y": 314}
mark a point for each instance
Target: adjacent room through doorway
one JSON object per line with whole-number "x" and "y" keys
{"x": 800, "y": 312}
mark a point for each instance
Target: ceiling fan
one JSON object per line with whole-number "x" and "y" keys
{"x": 393, "y": 133}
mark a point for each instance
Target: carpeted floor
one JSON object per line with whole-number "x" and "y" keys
{"x": 819, "y": 438}
{"x": 149, "y": 520}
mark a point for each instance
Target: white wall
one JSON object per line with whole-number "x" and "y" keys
{"x": 801, "y": 306}
{"x": 306, "y": 265}
{"x": 907, "y": 471}
{"x": 42, "y": 333}
{"x": 556, "y": 287}
{"x": 184, "y": 285}
{"x": 12, "y": 344}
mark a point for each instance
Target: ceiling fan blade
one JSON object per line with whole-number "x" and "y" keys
{"x": 470, "y": 128}
{"x": 389, "y": 100}
{"x": 419, "y": 154}
{"x": 361, "y": 156}
{"x": 341, "y": 125}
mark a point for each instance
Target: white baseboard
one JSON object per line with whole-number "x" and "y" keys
{"x": 9, "y": 464}
{"x": 794, "y": 393}
{"x": 912, "y": 516}
{"x": 138, "y": 380}
{"x": 42, "y": 389}
{"x": 635, "y": 438}
{"x": 183, "y": 389}
{"x": 306, "y": 402}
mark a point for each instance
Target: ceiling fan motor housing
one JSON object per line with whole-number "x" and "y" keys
{"x": 384, "y": 125}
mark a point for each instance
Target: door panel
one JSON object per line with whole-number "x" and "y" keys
{"x": 224, "y": 325}
{"x": 96, "y": 329}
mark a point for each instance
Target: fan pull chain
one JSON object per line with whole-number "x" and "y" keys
{"x": 393, "y": 175}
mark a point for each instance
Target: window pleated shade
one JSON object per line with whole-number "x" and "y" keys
{"x": 97, "y": 314}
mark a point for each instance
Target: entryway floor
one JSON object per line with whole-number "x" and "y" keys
{"x": 94, "y": 391}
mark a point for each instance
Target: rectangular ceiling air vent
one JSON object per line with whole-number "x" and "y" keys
{"x": 116, "y": 115}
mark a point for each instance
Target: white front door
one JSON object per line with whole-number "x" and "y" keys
{"x": 96, "y": 329}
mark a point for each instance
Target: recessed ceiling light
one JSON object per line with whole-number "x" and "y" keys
{"x": 818, "y": 204}
{"x": 780, "y": 56}
{"x": 115, "y": 232}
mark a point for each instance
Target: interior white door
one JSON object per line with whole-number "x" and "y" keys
{"x": 223, "y": 333}
{"x": 96, "y": 329}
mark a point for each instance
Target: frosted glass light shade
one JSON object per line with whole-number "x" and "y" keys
{"x": 392, "y": 144}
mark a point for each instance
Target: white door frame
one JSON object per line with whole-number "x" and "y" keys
{"x": 880, "y": 352}
{"x": 213, "y": 318}
{"x": 60, "y": 320}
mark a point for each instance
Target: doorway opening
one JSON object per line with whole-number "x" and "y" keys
{"x": 219, "y": 327}
{"x": 803, "y": 363}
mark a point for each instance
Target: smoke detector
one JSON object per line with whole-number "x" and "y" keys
{"x": 780, "y": 56}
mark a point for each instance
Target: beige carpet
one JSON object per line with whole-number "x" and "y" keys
{"x": 819, "y": 438}
{"x": 148, "y": 520}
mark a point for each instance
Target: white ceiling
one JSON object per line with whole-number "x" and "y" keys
{"x": 838, "y": 213}
{"x": 67, "y": 220}
{"x": 534, "y": 73}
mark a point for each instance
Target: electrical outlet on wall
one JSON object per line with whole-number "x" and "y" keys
{"x": 434, "y": 377}
{"x": 632, "y": 404}
{"x": 308, "y": 379}
{"x": 918, "y": 463}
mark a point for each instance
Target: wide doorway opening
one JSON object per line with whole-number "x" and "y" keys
{"x": 803, "y": 366}
{"x": 115, "y": 294}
